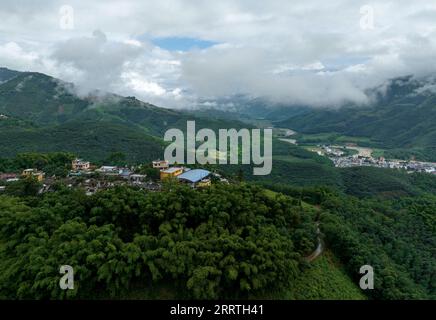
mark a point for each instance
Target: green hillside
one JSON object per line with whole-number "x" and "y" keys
{"x": 325, "y": 279}
{"x": 91, "y": 140}
{"x": 396, "y": 237}
{"x": 39, "y": 98}
{"x": 229, "y": 241}
{"x": 6, "y": 74}
{"x": 402, "y": 120}
{"x": 46, "y": 115}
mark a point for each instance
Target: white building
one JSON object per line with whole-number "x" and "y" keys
{"x": 161, "y": 164}
{"x": 80, "y": 165}
{"x": 108, "y": 170}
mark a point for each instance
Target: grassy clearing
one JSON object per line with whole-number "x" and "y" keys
{"x": 325, "y": 279}
{"x": 287, "y": 158}
{"x": 377, "y": 153}
{"x": 330, "y": 138}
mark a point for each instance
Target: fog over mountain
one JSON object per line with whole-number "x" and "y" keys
{"x": 177, "y": 53}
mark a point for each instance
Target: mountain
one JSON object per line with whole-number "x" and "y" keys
{"x": 6, "y": 74}
{"x": 403, "y": 118}
{"x": 44, "y": 114}
{"x": 249, "y": 109}
{"x": 380, "y": 217}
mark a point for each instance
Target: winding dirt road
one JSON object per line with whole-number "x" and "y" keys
{"x": 319, "y": 249}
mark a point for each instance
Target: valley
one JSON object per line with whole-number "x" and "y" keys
{"x": 319, "y": 186}
{"x": 217, "y": 158}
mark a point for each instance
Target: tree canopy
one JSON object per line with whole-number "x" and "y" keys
{"x": 230, "y": 241}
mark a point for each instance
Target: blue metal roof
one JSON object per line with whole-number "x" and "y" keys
{"x": 194, "y": 176}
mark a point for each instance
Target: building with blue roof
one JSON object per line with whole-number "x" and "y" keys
{"x": 195, "y": 177}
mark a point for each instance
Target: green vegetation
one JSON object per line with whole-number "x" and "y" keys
{"x": 292, "y": 165}
{"x": 402, "y": 121}
{"x": 330, "y": 138}
{"x": 57, "y": 163}
{"x": 45, "y": 115}
{"x": 385, "y": 183}
{"x": 132, "y": 244}
{"x": 95, "y": 141}
{"x": 6, "y": 74}
{"x": 325, "y": 279}
{"x": 228, "y": 241}
{"x": 377, "y": 153}
{"x": 396, "y": 237}
{"x": 223, "y": 242}
{"x": 296, "y": 167}
{"x": 424, "y": 154}
{"x": 28, "y": 187}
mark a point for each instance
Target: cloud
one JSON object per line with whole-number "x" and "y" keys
{"x": 94, "y": 62}
{"x": 310, "y": 52}
{"x": 14, "y": 56}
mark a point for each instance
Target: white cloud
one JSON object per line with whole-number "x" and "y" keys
{"x": 13, "y": 56}
{"x": 139, "y": 84}
{"x": 304, "y": 51}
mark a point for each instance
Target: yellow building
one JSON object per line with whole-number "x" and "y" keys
{"x": 204, "y": 183}
{"x": 170, "y": 173}
{"x": 39, "y": 175}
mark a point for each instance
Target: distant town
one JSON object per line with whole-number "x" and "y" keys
{"x": 364, "y": 158}
{"x": 91, "y": 178}
{"x": 341, "y": 157}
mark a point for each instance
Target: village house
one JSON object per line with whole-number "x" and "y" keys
{"x": 109, "y": 170}
{"x": 161, "y": 164}
{"x": 137, "y": 178}
{"x": 80, "y": 165}
{"x": 39, "y": 175}
{"x": 7, "y": 176}
{"x": 197, "y": 178}
{"x": 171, "y": 173}
{"x": 124, "y": 173}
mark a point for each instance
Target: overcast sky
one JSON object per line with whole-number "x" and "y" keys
{"x": 175, "y": 52}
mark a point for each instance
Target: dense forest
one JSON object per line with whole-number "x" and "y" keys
{"x": 45, "y": 115}
{"x": 57, "y": 163}
{"x": 395, "y": 235}
{"x": 230, "y": 241}
{"x": 396, "y": 238}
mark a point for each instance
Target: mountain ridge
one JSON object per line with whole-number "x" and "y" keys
{"x": 44, "y": 114}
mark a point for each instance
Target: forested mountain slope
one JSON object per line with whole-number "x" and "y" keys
{"x": 45, "y": 114}
{"x": 403, "y": 117}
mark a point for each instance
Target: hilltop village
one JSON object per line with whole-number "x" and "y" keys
{"x": 93, "y": 179}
